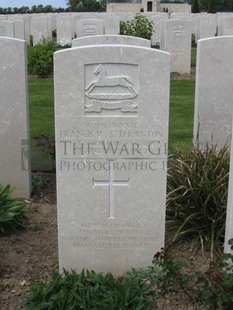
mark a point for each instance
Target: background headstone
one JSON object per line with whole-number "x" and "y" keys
{"x": 111, "y": 110}
{"x": 110, "y": 39}
{"x": 65, "y": 32}
{"x": 39, "y": 28}
{"x": 206, "y": 26}
{"x": 19, "y": 29}
{"x": 89, "y": 27}
{"x": 214, "y": 91}
{"x": 228, "y": 25}
{"x": 14, "y": 119}
{"x": 156, "y": 19}
{"x": 111, "y": 24}
{"x": 7, "y": 28}
{"x": 177, "y": 41}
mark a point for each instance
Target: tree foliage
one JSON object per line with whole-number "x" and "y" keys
{"x": 34, "y": 9}
{"x": 195, "y": 6}
{"x": 217, "y": 5}
{"x": 85, "y": 6}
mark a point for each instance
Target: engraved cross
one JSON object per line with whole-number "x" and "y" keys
{"x": 111, "y": 184}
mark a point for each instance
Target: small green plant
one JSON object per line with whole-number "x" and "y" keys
{"x": 213, "y": 288}
{"x": 37, "y": 227}
{"x": 39, "y": 182}
{"x": 140, "y": 26}
{"x": 90, "y": 290}
{"x": 12, "y": 212}
{"x": 40, "y": 59}
{"x": 174, "y": 75}
{"x": 197, "y": 196}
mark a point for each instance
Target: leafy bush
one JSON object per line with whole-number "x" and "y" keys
{"x": 214, "y": 288}
{"x": 40, "y": 59}
{"x": 140, "y": 26}
{"x": 197, "y": 196}
{"x": 12, "y": 212}
{"x": 89, "y": 290}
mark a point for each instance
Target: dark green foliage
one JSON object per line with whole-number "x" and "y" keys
{"x": 197, "y": 196}
{"x": 89, "y": 290}
{"x": 39, "y": 182}
{"x": 220, "y": 5}
{"x": 211, "y": 7}
{"x": 195, "y": 6}
{"x": 140, "y": 26}
{"x": 169, "y": 1}
{"x": 214, "y": 288}
{"x": 40, "y": 59}
{"x": 84, "y": 6}
{"x": 12, "y": 212}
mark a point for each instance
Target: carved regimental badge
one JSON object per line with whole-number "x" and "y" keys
{"x": 89, "y": 29}
{"x": 111, "y": 89}
{"x": 178, "y": 29}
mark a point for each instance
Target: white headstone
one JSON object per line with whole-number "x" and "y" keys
{"x": 227, "y": 26}
{"x": 111, "y": 107}
{"x": 64, "y": 29}
{"x": 229, "y": 215}
{"x": 214, "y": 91}
{"x": 26, "y": 19}
{"x": 3, "y": 17}
{"x": 111, "y": 24}
{"x": 19, "y": 29}
{"x": 89, "y": 27}
{"x": 110, "y": 39}
{"x": 177, "y": 41}
{"x": 14, "y": 120}
{"x": 39, "y": 28}
{"x": 7, "y": 28}
{"x": 206, "y": 26}
{"x": 186, "y": 16}
{"x": 156, "y": 19}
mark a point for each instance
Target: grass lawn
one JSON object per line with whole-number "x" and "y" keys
{"x": 41, "y": 99}
{"x": 41, "y": 102}
{"x": 193, "y": 56}
{"x": 181, "y": 114}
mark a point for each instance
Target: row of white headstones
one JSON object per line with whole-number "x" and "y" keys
{"x": 174, "y": 35}
{"x": 111, "y": 126}
{"x": 41, "y": 25}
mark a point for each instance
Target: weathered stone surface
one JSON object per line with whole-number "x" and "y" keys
{"x": 214, "y": 91}
{"x": 111, "y": 107}
{"x": 206, "y": 26}
{"x": 177, "y": 41}
{"x": 111, "y": 24}
{"x": 89, "y": 27}
{"x": 229, "y": 216}
{"x": 14, "y": 122}
{"x": 7, "y": 28}
{"x": 65, "y": 31}
{"x": 110, "y": 39}
{"x": 39, "y": 28}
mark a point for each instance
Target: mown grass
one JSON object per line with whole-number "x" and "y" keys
{"x": 41, "y": 102}
{"x": 41, "y": 98}
{"x": 193, "y": 56}
{"x": 181, "y": 114}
